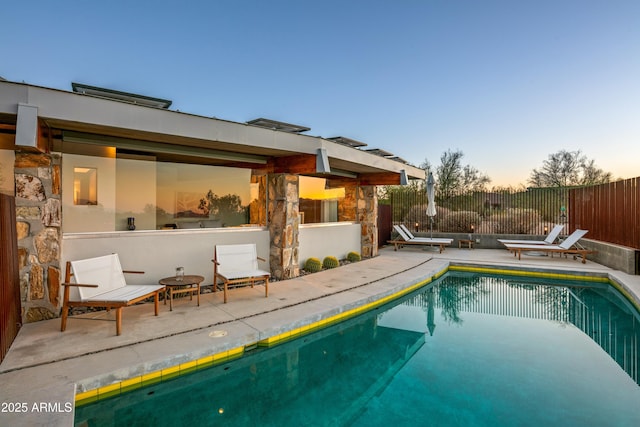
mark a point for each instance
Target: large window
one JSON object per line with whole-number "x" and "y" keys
{"x": 317, "y": 203}
{"x": 113, "y": 191}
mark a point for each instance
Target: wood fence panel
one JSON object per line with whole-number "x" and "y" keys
{"x": 384, "y": 224}
{"x": 611, "y": 212}
{"x": 10, "y": 311}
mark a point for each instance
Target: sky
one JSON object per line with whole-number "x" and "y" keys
{"x": 506, "y": 82}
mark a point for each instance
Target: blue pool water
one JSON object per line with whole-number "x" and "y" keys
{"x": 468, "y": 350}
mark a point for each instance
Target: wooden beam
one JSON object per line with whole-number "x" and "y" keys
{"x": 298, "y": 164}
{"x": 7, "y": 141}
{"x": 341, "y": 182}
{"x": 383, "y": 178}
{"x": 7, "y": 136}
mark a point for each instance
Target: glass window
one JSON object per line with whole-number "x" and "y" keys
{"x": 157, "y": 195}
{"x": 85, "y": 186}
{"x": 188, "y": 195}
{"x": 318, "y": 203}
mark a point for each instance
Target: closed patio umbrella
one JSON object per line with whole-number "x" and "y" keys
{"x": 431, "y": 199}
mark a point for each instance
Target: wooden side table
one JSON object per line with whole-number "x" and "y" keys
{"x": 189, "y": 284}
{"x": 468, "y": 242}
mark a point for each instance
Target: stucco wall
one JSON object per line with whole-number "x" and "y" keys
{"x": 335, "y": 239}
{"x": 158, "y": 253}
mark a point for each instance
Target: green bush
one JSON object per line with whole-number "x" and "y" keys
{"x": 517, "y": 221}
{"x": 459, "y": 221}
{"x": 416, "y": 218}
{"x": 353, "y": 257}
{"x": 330, "y": 262}
{"x": 313, "y": 265}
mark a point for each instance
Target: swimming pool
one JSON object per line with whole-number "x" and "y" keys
{"x": 466, "y": 350}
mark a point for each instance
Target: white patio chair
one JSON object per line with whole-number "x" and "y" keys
{"x": 100, "y": 283}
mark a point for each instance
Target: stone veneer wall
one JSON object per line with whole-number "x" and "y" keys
{"x": 367, "y": 215}
{"x": 38, "y": 224}
{"x": 360, "y": 204}
{"x": 284, "y": 219}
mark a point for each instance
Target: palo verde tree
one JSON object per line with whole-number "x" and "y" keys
{"x": 453, "y": 178}
{"x": 563, "y": 170}
{"x": 568, "y": 169}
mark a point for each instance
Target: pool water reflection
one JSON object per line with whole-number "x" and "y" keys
{"x": 466, "y": 350}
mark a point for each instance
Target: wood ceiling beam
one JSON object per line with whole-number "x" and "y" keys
{"x": 7, "y": 141}
{"x": 299, "y": 164}
{"x": 341, "y": 182}
{"x": 382, "y": 178}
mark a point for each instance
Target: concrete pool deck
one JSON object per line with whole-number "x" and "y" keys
{"x": 44, "y": 367}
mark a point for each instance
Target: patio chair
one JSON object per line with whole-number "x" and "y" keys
{"x": 551, "y": 237}
{"x": 405, "y": 239}
{"x": 238, "y": 265}
{"x": 100, "y": 282}
{"x": 568, "y": 246}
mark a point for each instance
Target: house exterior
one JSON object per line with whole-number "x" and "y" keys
{"x": 97, "y": 171}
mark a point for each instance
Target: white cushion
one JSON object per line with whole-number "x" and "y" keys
{"x": 104, "y": 271}
{"x": 236, "y": 261}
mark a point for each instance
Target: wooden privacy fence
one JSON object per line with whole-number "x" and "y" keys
{"x": 611, "y": 212}
{"x": 10, "y": 316}
{"x": 384, "y": 224}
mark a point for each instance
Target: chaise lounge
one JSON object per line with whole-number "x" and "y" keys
{"x": 568, "y": 246}
{"x": 409, "y": 239}
{"x": 549, "y": 240}
{"x": 238, "y": 265}
{"x": 100, "y": 282}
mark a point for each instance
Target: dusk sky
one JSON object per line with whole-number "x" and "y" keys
{"x": 505, "y": 82}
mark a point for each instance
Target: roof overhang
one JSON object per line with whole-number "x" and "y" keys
{"x": 173, "y": 134}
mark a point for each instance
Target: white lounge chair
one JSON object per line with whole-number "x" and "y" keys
{"x": 238, "y": 264}
{"x": 406, "y": 239}
{"x": 566, "y": 247}
{"x": 100, "y": 283}
{"x": 549, "y": 240}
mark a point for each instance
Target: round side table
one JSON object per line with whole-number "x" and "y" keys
{"x": 190, "y": 284}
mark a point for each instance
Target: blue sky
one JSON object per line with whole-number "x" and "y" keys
{"x": 505, "y": 82}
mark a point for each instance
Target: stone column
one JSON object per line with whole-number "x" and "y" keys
{"x": 38, "y": 217}
{"x": 367, "y": 214}
{"x": 283, "y": 222}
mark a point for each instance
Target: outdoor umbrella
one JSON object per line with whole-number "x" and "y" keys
{"x": 431, "y": 199}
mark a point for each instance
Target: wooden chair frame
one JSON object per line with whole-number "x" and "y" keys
{"x": 108, "y": 305}
{"x": 239, "y": 278}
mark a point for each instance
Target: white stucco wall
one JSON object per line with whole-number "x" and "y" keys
{"x": 333, "y": 238}
{"x": 158, "y": 253}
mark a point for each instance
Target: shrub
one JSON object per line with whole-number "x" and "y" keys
{"x": 416, "y": 218}
{"x": 313, "y": 265}
{"x": 517, "y": 221}
{"x": 353, "y": 257}
{"x": 330, "y": 262}
{"x": 459, "y": 221}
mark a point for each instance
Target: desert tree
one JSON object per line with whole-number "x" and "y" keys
{"x": 453, "y": 177}
{"x": 568, "y": 169}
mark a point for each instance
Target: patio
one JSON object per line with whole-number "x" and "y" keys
{"x": 45, "y": 365}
